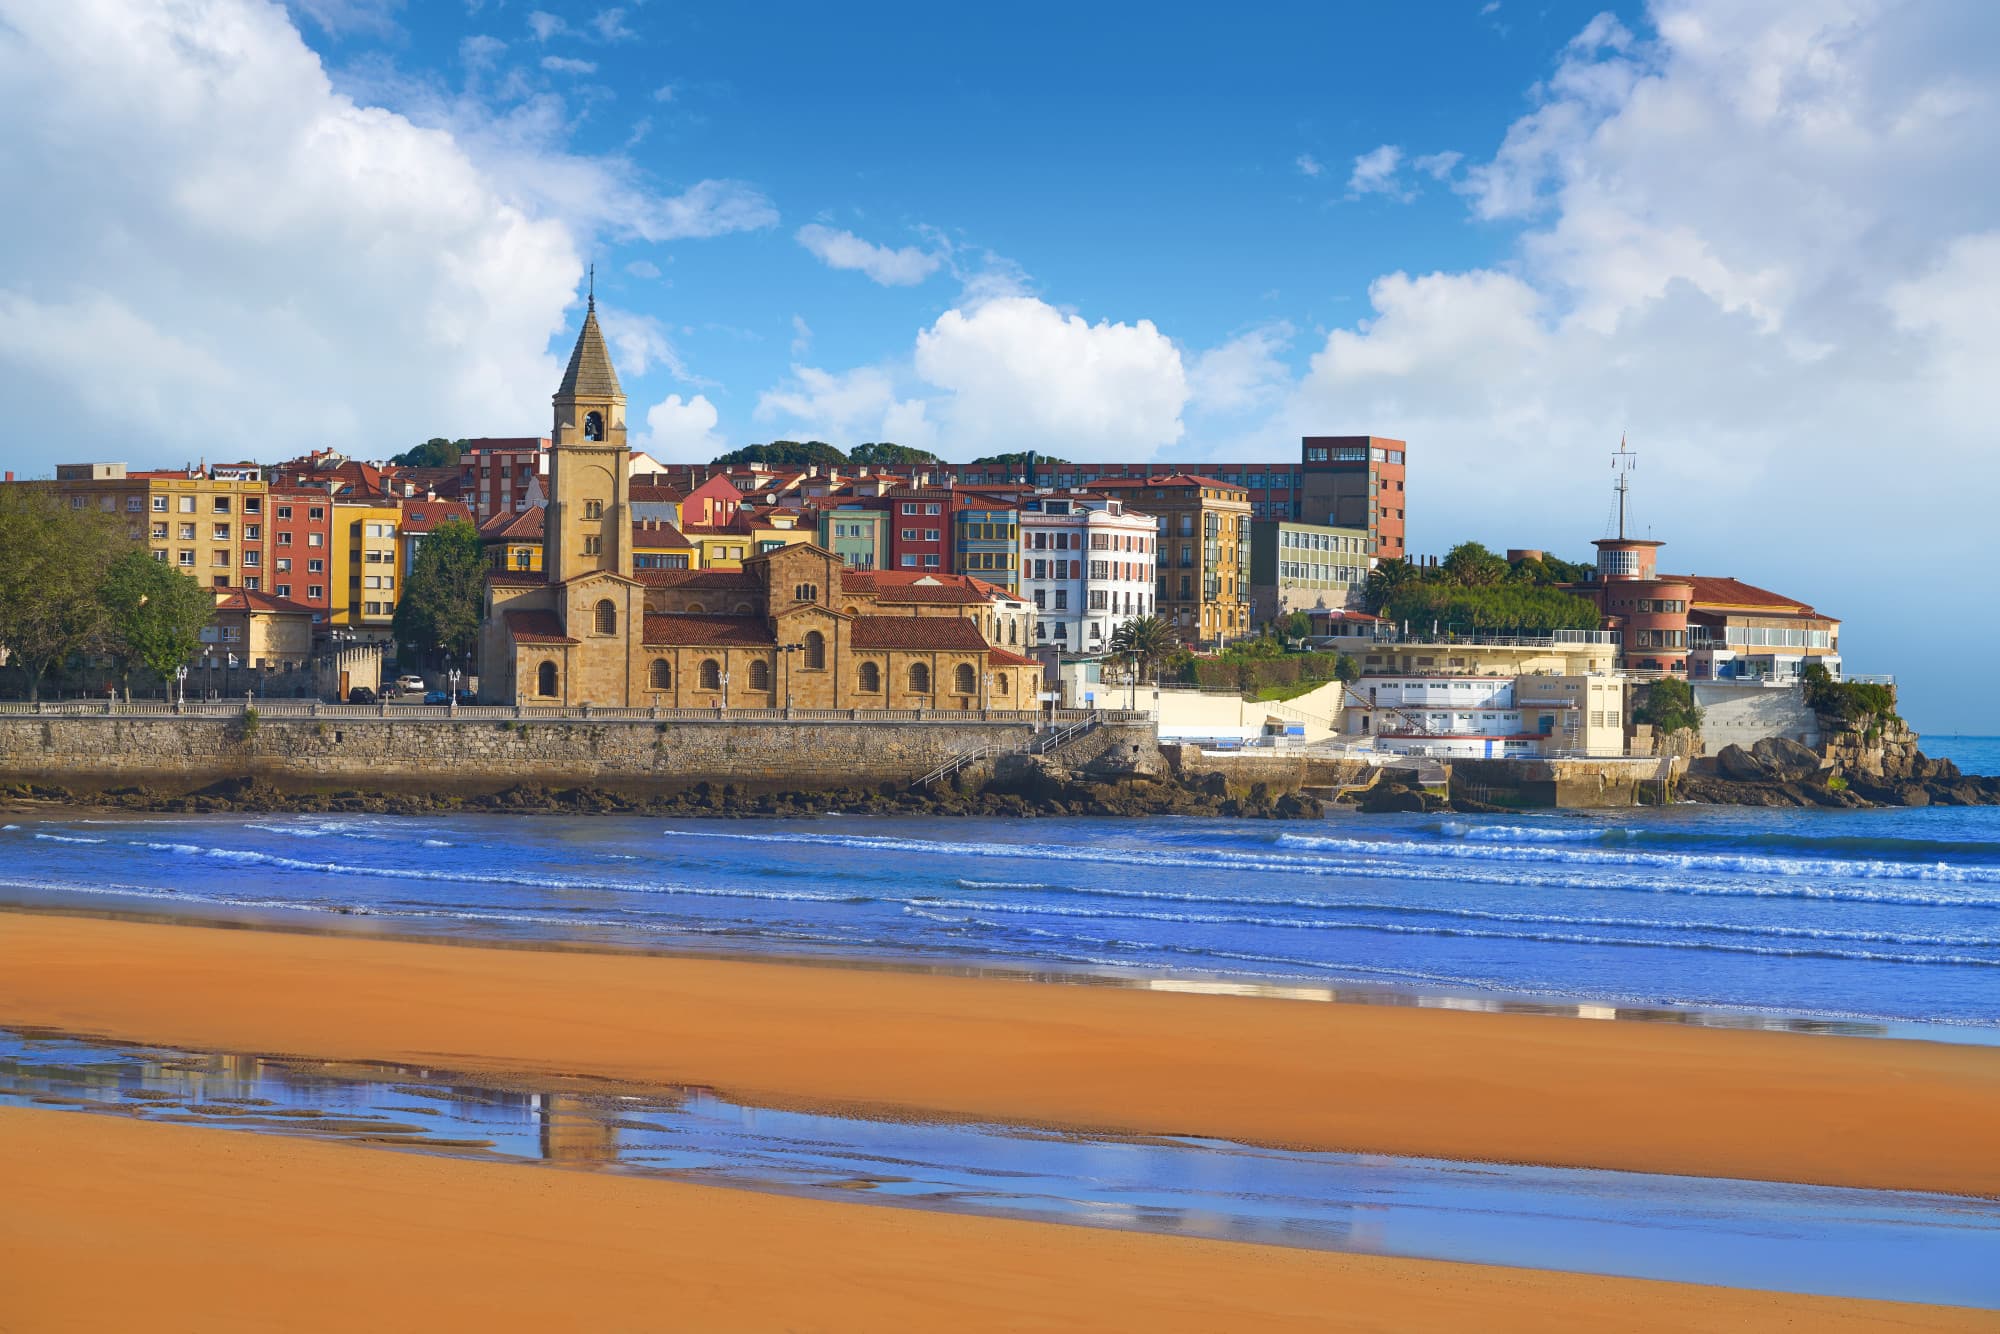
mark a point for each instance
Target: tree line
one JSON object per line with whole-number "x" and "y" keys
{"x": 73, "y": 584}
{"x": 1475, "y": 591}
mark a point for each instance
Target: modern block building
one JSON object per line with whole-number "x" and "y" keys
{"x": 1297, "y": 566}
{"x": 1356, "y": 481}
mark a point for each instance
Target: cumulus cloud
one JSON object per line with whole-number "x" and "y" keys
{"x": 838, "y": 405}
{"x": 1766, "y": 240}
{"x": 1309, "y": 165}
{"x": 682, "y": 431}
{"x": 568, "y": 65}
{"x": 1243, "y": 374}
{"x": 904, "y": 267}
{"x": 1438, "y": 166}
{"x": 224, "y": 255}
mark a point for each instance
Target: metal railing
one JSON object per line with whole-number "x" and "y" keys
{"x": 294, "y": 708}
{"x": 1042, "y": 744}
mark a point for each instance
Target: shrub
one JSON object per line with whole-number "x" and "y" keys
{"x": 1669, "y": 706}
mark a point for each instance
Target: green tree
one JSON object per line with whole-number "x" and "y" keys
{"x": 1018, "y": 458}
{"x": 785, "y": 454}
{"x": 442, "y": 595}
{"x": 1384, "y": 581}
{"x": 1294, "y": 625}
{"x": 1146, "y": 642}
{"x": 1669, "y": 706}
{"x": 1348, "y": 670}
{"x": 1471, "y": 565}
{"x": 157, "y": 614}
{"x": 1549, "y": 570}
{"x": 878, "y": 452}
{"x": 436, "y": 452}
{"x": 53, "y": 559}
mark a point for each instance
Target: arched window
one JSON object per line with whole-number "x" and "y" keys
{"x": 1013, "y": 632}
{"x": 1000, "y": 684}
{"x": 815, "y": 651}
{"x": 742, "y": 609}
{"x": 607, "y": 618}
{"x": 806, "y": 593}
{"x": 711, "y": 674}
{"x": 593, "y": 509}
{"x": 851, "y": 611}
{"x": 545, "y": 680}
{"x": 964, "y": 680}
{"x": 871, "y": 679}
{"x": 696, "y": 609}
{"x": 760, "y": 676}
{"x": 920, "y": 679}
{"x": 593, "y": 426}
{"x": 662, "y": 674}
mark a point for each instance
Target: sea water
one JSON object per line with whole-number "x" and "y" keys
{"x": 1849, "y": 918}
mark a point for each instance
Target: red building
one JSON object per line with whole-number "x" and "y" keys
{"x": 1648, "y": 611}
{"x": 503, "y": 475}
{"x": 919, "y": 528}
{"x": 1355, "y": 481}
{"x": 300, "y": 546}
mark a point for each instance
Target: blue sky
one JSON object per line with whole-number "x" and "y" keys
{"x": 1759, "y": 237}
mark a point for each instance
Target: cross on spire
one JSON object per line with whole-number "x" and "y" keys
{"x": 593, "y": 285}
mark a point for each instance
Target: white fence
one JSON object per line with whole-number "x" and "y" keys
{"x": 293, "y": 708}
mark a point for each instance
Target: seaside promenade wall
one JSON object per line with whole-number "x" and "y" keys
{"x": 469, "y": 755}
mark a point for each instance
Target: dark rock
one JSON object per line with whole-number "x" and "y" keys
{"x": 1734, "y": 762}
{"x": 1784, "y": 759}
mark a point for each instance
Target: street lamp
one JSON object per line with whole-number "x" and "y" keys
{"x": 181, "y": 681}
{"x": 785, "y": 652}
{"x": 229, "y": 665}
{"x": 451, "y": 676}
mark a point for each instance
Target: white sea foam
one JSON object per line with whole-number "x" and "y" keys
{"x": 66, "y": 838}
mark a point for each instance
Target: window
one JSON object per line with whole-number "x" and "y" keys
{"x": 805, "y": 593}
{"x": 760, "y": 675}
{"x": 284, "y": 564}
{"x": 221, "y": 505}
{"x": 606, "y": 621}
{"x": 159, "y": 504}
{"x": 815, "y": 651}
{"x": 159, "y": 532}
{"x": 186, "y": 532}
{"x": 316, "y": 513}
{"x": 593, "y": 426}
{"x": 315, "y": 540}
{"x": 593, "y": 545}
{"x": 252, "y": 558}
{"x": 317, "y": 592}
{"x": 711, "y": 674}
{"x": 869, "y": 679}
{"x": 187, "y": 505}
{"x": 185, "y": 558}
{"x": 661, "y": 675}
{"x": 219, "y": 559}
{"x": 545, "y": 680}
{"x": 593, "y": 509}
{"x": 909, "y": 507}
{"x": 315, "y": 567}
{"x": 907, "y": 561}
{"x": 920, "y": 679}
{"x": 1062, "y": 599}
{"x": 964, "y": 680}
{"x": 221, "y": 532}
{"x": 1099, "y": 599}
{"x": 283, "y": 590}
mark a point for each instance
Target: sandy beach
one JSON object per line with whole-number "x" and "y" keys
{"x": 109, "y": 1223}
{"x": 1511, "y": 1088}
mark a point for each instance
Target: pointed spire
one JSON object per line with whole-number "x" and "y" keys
{"x": 590, "y": 374}
{"x": 593, "y": 294}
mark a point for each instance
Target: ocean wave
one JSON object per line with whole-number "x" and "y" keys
{"x": 66, "y": 838}
{"x": 1720, "y": 836}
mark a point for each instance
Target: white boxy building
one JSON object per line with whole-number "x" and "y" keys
{"x": 1087, "y": 565}
{"x": 1489, "y": 717}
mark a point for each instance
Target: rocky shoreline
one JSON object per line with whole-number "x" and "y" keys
{"x": 1777, "y": 772}
{"x": 1042, "y": 791}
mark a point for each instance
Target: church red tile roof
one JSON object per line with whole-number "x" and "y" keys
{"x": 1713, "y": 592}
{"x": 710, "y": 581}
{"x": 517, "y": 578}
{"x": 536, "y": 627}
{"x": 1000, "y": 657}
{"x": 914, "y": 587}
{"x": 916, "y": 632}
{"x": 694, "y": 631}
{"x": 527, "y": 526}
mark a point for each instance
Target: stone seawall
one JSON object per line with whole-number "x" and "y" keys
{"x": 1578, "y": 784}
{"x": 468, "y": 757}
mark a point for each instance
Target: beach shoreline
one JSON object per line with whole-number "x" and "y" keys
{"x": 1867, "y": 1112}
{"x": 307, "y": 1236}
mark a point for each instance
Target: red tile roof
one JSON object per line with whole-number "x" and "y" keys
{"x": 1713, "y": 591}
{"x": 655, "y": 493}
{"x": 916, "y": 632}
{"x": 725, "y": 581}
{"x": 694, "y": 631}
{"x": 251, "y": 600}
{"x": 912, "y": 587}
{"x": 527, "y": 526}
{"x": 423, "y": 516}
{"x": 657, "y": 533}
{"x": 536, "y": 627}
{"x": 517, "y": 578}
{"x": 1000, "y": 657}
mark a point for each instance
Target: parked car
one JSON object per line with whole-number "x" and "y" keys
{"x": 411, "y": 682}
{"x": 436, "y": 697}
{"x": 361, "y": 695}
{"x": 468, "y": 697}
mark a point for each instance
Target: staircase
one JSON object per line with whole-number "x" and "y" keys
{"x": 1043, "y": 744}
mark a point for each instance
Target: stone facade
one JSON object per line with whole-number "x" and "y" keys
{"x": 468, "y": 756}
{"x": 790, "y": 628}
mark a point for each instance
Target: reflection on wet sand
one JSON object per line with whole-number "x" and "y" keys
{"x": 1744, "y": 1234}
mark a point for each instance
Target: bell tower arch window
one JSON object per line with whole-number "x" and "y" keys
{"x": 593, "y": 426}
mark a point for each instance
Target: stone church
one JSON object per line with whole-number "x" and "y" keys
{"x": 784, "y": 630}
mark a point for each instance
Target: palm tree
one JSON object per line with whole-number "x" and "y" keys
{"x": 1145, "y": 642}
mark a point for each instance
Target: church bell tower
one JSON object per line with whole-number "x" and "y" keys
{"x": 589, "y": 522}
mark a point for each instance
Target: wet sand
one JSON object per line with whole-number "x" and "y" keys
{"x": 108, "y": 1223}
{"x": 1511, "y": 1088}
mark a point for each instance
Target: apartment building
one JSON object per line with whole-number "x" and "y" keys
{"x": 418, "y": 519}
{"x": 856, "y": 534}
{"x": 301, "y": 548}
{"x": 1297, "y": 566}
{"x": 920, "y": 532}
{"x": 1202, "y": 570}
{"x": 503, "y": 475}
{"x": 1088, "y": 566}
{"x": 986, "y": 537}
{"x": 366, "y": 576}
{"x": 1356, "y": 481}
{"x": 210, "y": 528}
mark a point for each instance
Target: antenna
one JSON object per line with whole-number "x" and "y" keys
{"x": 1622, "y": 463}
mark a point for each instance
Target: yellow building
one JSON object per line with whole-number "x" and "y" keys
{"x": 513, "y": 541}
{"x": 658, "y": 545}
{"x": 748, "y": 533}
{"x": 365, "y": 580}
{"x": 261, "y": 630}
{"x": 1204, "y": 552}
{"x": 210, "y": 528}
{"x": 1568, "y": 653}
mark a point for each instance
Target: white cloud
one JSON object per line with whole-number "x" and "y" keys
{"x": 904, "y": 267}
{"x": 643, "y": 268}
{"x": 1766, "y": 240}
{"x": 225, "y": 256}
{"x": 802, "y": 337}
{"x": 1018, "y": 370}
{"x": 609, "y": 25}
{"x": 639, "y": 343}
{"x": 568, "y": 65}
{"x": 664, "y": 93}
{"x": 1438, "y": 166}
{"x": 1490, "y": 7}
{"x": 480, "y": 52}
{"x": 1309, "y": 165}
{"x": 838, "y": 405}
{"x": 682, "y": 432}
{"x": 1243, "y": 374}
{"x": 1375, "y": 173}
{"x": 340, "y": 17}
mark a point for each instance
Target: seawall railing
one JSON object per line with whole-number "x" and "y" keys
{"x": 157, "y": 710}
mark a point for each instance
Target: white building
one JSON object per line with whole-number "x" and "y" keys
{"x": 1489, "y": 717}
{"x": 1087, "y": 564}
